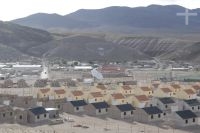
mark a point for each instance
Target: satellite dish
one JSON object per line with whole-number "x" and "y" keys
{"x": 96, "y": 74}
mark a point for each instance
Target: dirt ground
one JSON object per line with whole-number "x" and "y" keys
{"x": 87, "y": 124}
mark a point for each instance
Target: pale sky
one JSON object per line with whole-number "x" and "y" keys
{"x": 12, "y": 9}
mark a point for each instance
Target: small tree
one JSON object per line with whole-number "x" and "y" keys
{"x": 55, "y": 83}
{"x": 22, "y": 83}
{"x": 8, "y": 83}
{"x": 40, "y": 83}
{"x": 71, "y": 83}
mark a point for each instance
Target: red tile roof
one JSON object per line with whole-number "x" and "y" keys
{"x": 126, "y": 87}
{"x": 142, "y": 98}
{"x": 96, "y": 94}
{"x": 189, "y": 91}
{"x": 61, "y": 91}
{"x": 146, "y": 88}
{"x": 117, "y": 96}
{"x": 176, "y": 86}
{"x": 166, "y": 90}
{"x": 102, "y": 87}
{"x": 45, "y": 90}
{"x": 196, "y": 87}
{"x": 77, "y": 93}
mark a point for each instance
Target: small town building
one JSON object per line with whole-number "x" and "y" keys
{"x": 77, "y": 106}
{"x": 140, "y": 101}
{"x": 44, "y": 93}
{"x": 126, "y": 90}
{"x": 123, "y": 111}
{"x": 59, "y": 94}
{"x": 117, "y": 98}
{"x": 191, "y": 104}
{"x": 166, "y": 104}
{"x": 185, "y": 118}
{"x": 144, "y": 90}
{"x": 163, "y": 92}
{"x": 37, "y": 114}
{"x": 75, "y": 95}
{"x": 95, "y": 97}
{"x": 25, "y": 102}
{"x": 186, "y": 94}
{"x": 175, "y": 88}
{"x": 6, "y": 114}
{"x": 54, "y": 103}
{"x": 97, "y": 109}
{"x": 21, "y": 115}
{"x": 53, "y": 112}
{"x": 196, "y": 88}
{"x": 148, "y": 114}
{"x": 101, "y": 88}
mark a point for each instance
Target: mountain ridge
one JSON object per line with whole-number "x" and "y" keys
{"x": 153, "y": 17}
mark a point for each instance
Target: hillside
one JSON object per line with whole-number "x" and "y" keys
{"x": 15, "y": 40}
{"x": 87, "y": 48}
{"x": 109, "y": 34}
{"x": 121, "y": 48}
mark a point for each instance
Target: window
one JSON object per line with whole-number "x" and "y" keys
{"x": 26, "y": 102}
{"x": 45, "y": 115}
{"x": 159, "y": 115}
{"x": 151, "y": 116}
{"x": 192, "y": 108}
{"x": 20, "y": 117}
{"x": 186, "y": 121}
{"x": 124, "y": 113}
{"x": 99, "y": 110}
{"x": 166, "y": 106}
{"x": 77, "y": 108}
{"x": 122, "y": 101}
{"x": 38, "y": 117}
{"x": 126, "y": 91}
{"x": 198, "y": 107}
{"x": 131, "y": 112}
{"x": 4, "y": 114}
{"x": 58, "y": 106}
{"x": 106, "y": 110}
{"x": 164, "y": 114}
{"x": 149, "y": 92}
{"x": 11, "y": 113}
{"x": 193, "y": 120}
{"x": 95, "y": 99}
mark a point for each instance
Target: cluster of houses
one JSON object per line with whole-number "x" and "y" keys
{"x": 149, "y": 103}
